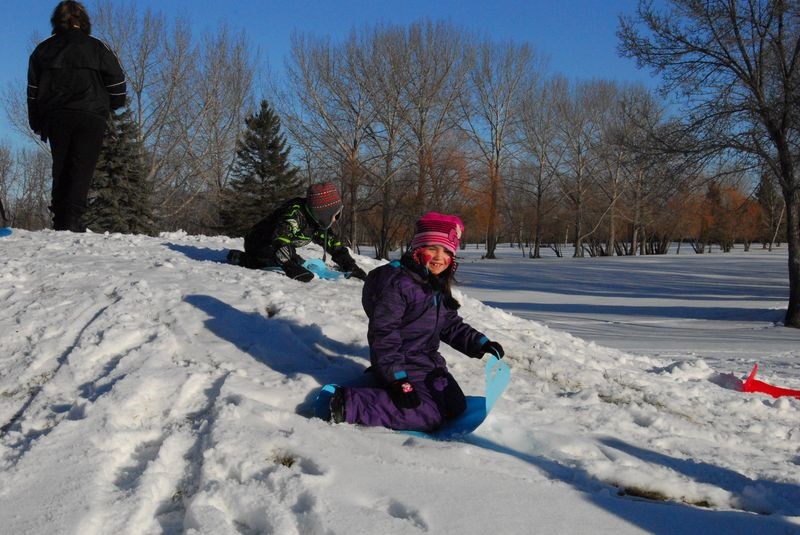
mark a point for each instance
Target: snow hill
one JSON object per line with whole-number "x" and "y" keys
{"x": 148, "y": 387}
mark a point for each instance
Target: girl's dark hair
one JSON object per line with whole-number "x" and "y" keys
{"x": 447, "y": 279}
{"x": 70, "y": 14}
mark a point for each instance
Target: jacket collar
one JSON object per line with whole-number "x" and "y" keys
{"x": 419, "y": 272}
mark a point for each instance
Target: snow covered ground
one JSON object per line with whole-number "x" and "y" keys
{"x": 147, "y": 387}
{"x": 713, "y": 306}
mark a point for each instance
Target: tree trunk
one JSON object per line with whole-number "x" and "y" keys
{"x": 577, "y": 240}
{"x": 383, "y": 246}
{"x": 494, "y": 191}
{"x": 422, "y": 180}
{"x": 537, "y": 239}
{"x": 792, "y": 318}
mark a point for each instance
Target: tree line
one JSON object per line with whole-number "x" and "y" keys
{"x": 430, "y": 116}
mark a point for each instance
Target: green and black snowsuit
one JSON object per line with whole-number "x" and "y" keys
{"x": 274, "y": 240}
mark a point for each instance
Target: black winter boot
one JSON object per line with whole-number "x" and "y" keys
{"x": 297, "y": 272}
{"x": 235, "y": 257}
{"x": 337, "y": 406}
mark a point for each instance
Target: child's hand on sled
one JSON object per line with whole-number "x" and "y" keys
{"x": 493, "y": 348}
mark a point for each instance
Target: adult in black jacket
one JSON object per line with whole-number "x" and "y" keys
{"x": 274, "y": 240}
{"x": 74, "y": 80}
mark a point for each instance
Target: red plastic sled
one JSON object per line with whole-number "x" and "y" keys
{"x": 754, "y": 385}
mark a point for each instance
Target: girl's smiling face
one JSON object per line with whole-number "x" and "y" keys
{"x": 435, "y": 257}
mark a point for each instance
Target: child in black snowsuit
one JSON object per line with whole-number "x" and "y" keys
{"x": 274, "y": 240}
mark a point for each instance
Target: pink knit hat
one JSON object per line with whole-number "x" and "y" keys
{"x": 438, "y": 229}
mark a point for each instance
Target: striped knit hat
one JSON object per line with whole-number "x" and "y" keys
{"x": 324, "y": 203}
{"x": 438, "y": 229}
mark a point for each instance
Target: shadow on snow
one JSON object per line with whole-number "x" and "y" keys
{"x": 285, "y": 346}
{"x": 683, "y": 312}
{"x": 662, "y": 517}
{"x": 200, "y": 253}
{"x": 617, "y": 278}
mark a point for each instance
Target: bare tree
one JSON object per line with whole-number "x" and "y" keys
{"x": 15, "y": 104}
{"x": 542, "y": 148}
{"x": 772, "y": 207}
{"x": 638, "y": 114}
{"x": 499, "y": 77}
{"x": 434, "y": 72}
{"x": 611, "y": 159}
{"x": 6, "y": 182}
{"x": 222, "y": 97}
{"x": 327, "y": 106}
{"x": 189, "y": 99}
{"x": 737, "y": 62}
{"x": 383, "y": 65}
{"x": 581, "y": 118}
{"x": 653, "y": 181}
{"x": 29, "y": 190}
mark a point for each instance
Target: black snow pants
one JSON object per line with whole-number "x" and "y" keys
{"x": 75, "y": 141}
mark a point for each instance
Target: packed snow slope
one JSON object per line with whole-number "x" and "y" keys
{"x": 148, "y": 387}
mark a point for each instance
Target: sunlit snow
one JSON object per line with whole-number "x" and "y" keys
{"x": 148, "y": 387}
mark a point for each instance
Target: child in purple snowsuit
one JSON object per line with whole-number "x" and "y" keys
{"x": 411, "y": 309}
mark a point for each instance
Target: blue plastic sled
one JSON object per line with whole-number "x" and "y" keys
{"x": 5, "y": 231}
{"x": 315, "y": 266}
{"x": 318, "y": 268}
{"x": 498, "y": 375}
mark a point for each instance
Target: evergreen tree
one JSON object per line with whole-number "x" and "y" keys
{"x": 262, "y": 177}
{"x": 119, "y": 200}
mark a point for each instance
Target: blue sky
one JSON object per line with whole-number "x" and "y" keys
{"x": 578, "y": 36}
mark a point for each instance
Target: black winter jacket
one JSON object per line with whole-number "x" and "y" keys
{"x": 71, "y": 70}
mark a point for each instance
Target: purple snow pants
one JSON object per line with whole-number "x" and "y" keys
{"x": 440, "y": 399}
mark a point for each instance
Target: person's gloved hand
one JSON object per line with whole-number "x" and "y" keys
{"x": 296, "y": 272}
{"x": 358, "y": 273}
{"x": 403, "y": 394}
{"x": 494, "y": 348}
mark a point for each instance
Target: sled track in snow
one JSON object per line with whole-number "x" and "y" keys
{"x": 202, "y": 423}
{"x": 36, "y": 390}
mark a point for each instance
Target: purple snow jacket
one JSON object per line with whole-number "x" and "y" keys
{"x": 407, "y": 320}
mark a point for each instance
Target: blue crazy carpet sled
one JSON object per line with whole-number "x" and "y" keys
{"x": 498, "y": 375}
{"x": 318, "y": 268}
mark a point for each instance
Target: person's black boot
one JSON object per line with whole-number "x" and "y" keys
{"x": 235, "y": 257}
{"x": 337, "y": 406}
